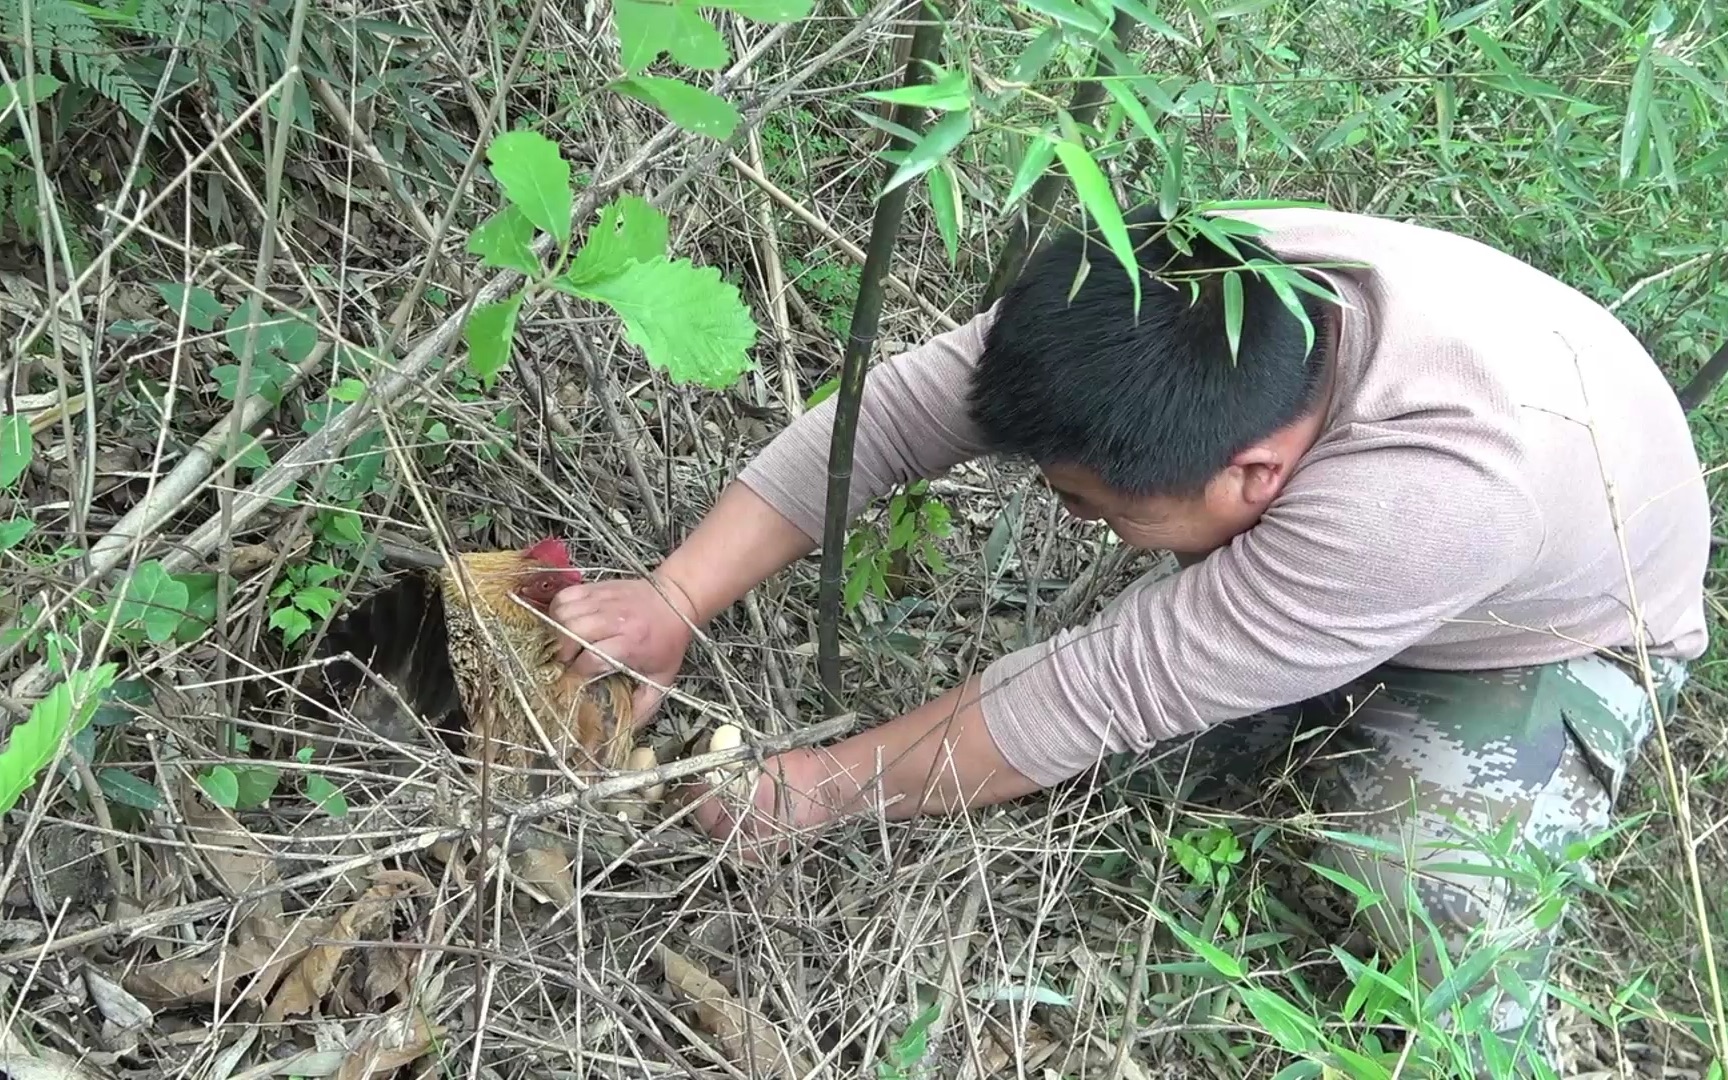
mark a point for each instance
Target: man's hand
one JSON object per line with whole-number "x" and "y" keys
{"x": 642, "y": 625}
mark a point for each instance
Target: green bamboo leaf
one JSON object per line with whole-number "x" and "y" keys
{"x": 1039, "y": 155}
{"x": 1035, "y": 55}
{"x": 17, "y": 447}
{"x": 30, "y": 746}
{"x": 1233, "y": 312}
{"x": 690, "y": 107}
{"x": 949, "y": 91}
{"x": 503, "y": 241}
{"x": 1637, "y": 125}
{"x": 534, "y": 175}
{"x": 1445, "y": 112}
{"x": 943, "y": 136}
{"x": 1068, "y": 13}
{"x": 1295, "y": 1032}
{"x": 1219, "y": 960}
{"x": 945, "y": 204}
{"x": 490, "y": 332}
{"x": 1094, "y": 193}
{"x": 1151, "y": 20}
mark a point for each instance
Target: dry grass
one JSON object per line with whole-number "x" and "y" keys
{"x": 281, "y": 941}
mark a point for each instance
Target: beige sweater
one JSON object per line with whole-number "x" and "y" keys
{"x": 1452, "y": 515}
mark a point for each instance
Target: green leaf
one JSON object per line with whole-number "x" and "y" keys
{"x": 503, "y": 241}
{"x": 254, "y": 456}
{"x": 1148, "y": 18}
{"x": 326, "y": 796}
{"x": 534, "y": 175}
{"x": 1038, "y": 157}
{"x": 490, "y": 332}
{"x": 63, "y": 713}
{"x": 293, "y": 623}
{"x": 17, "y": 447}
{"x": 202, "y": 307}
{"x": 154, "y": 599}
{"x": 348, "y": 390}
{"x": 630, "y": 230}
{"x": 1233, "y": 312}
{"x": 1036, "y": 54}
{"x": 292, "y": 335}
{"x": 686, "y": 319}
{"x": 254, "y": 784}
{"x": 20, "y": 91}
{"x": 768, "y": 11}
{"x": 1094, "y": 193}
{"x": 646, "y": 29}
{"x": 821, "y": 393}
{"x": 950, "y": 91}
{"x": 222, "y": 786}
{"x": 13, "y": 532}
{"x": 943, "y": 136}
{"x": 690, "y": 107}
{"x": 1296, "y": 1033}
{"x": 1221, "y": 962}
{"x": 1068, "y": 13}
{"x": 122, "y": 787}
{"x": 945, "y": 204}
{"x": 320, "y": 600}
{"x": 1637, "y": 124}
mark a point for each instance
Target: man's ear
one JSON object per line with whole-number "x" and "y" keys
{"x": 1262, "y": 470}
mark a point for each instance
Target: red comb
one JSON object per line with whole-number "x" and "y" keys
{"x": 550, "y": 551}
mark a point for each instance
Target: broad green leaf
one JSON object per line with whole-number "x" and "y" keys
{"x": 122, "y": 787}
{"x": 945, "y": 204}
{"x": 768, "y": 11}
{"x": 17, "y": 447}
{"x": 686, "y": 319}
{"x": 254, "y": 784}
{"x": 30, "y": 746}
{"x": 326, "y": 796}
{"x": 821, "y": 393}
{"x": 690, "y": 107}
{"x": 943, "y": 136}
{"x": 1445, "y": 111}
{"x": 254, "y": 456}
{"x": 291, "y": 621}
{"x": 320, "y": 600}
{"x": 647, "y": 28}
{"x": 1295, "y": 1032}
{"x": 1069, "y": 13}
{"x": 222, "y": 786}
{"x": 13, "y": 532}
{"x": 292, "y": 335}
{"x": 202, "y": 307}
{"x": 21, "y": 91}
{"x": 1637, "y": 124}
{"x": 268, "y": 376}
{"x": 949, "y": 91}
{"x": 1094, "y": 193}
{"x": 630, "y": 230}
{"x": 1233, "y": 312}
{"x": 490, "y": 332}
{"x": 503, "y": 241}
{"x": 534, "y": 175}
{"x": 153, "y": 599}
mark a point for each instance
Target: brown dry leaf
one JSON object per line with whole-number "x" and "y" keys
{"x": 313, "y": 977}
{"x": 747, "y": 1040}
{"x": 386, "y": 975}
{"x": 183, "y": 979}
{"x": 232, "y": 854}
{"x": 400, "y": 1037}
{"x": 550, "y": 869}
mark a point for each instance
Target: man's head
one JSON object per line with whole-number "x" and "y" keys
{"x": 1149, "y": 424}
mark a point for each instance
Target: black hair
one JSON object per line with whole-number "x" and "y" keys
{"x": 1153, "y": 406}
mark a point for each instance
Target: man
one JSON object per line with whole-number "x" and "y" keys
{"x": 1448, "y": 531}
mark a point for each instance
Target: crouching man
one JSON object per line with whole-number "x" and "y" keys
{"x": 1467, "y": 529}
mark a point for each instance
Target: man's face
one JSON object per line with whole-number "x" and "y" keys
{"x": 1196, "y": 525}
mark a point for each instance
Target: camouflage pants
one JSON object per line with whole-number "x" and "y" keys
{"x": 1440, "y": 776}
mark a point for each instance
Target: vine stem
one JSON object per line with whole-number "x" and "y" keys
{"x": 860, "y": 342}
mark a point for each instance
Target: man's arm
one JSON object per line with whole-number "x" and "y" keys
{"x": 912, "y": 424}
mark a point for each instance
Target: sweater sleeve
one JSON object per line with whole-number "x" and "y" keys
{"x": 1359, "y": 558}
{"x": 912, "y": 424}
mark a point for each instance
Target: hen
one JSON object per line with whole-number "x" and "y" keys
{"x": 482, "y": 665}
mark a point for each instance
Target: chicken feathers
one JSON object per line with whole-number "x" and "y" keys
{"x": 469, "y": 647}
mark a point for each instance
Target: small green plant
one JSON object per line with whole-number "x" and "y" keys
{"x": 687, "y": 320}
{"x": 916, "y": 521}
{"x": 304, "y": 592}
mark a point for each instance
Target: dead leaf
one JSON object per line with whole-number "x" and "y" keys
{"x": 400, "y": 1037}
{"x": 386, "y": 975}
{"x": 123, "y": 1016}
{"x": 19, "y": 1062}
{"x": 747, "y": 1040}
{"x": 311, "y": 979}
{"x": 183, "y": 979}
{"x": 551, "y": 870}
{"x": 248, "y": 559}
